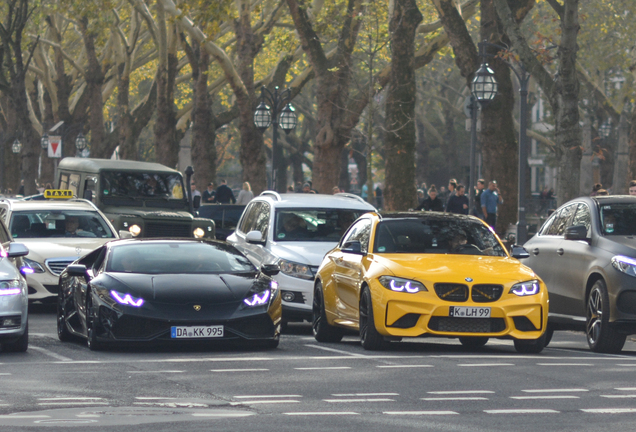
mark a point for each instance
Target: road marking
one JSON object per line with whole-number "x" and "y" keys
{"x": 625, "y": 388}
{"x": 50, "y": 354}
{"x": 469, "y": 398}
{"x": 155, "y": 372}
{"x": 565, "y": 364}
{"x": 24, "y": 416}
{"x": 609, "y": 410}
{"x": 364, "y": 394}
{"x": 629, "y": 396}
{"x": 321, "y": 413}
{"x": 404, "y": 366}
{"x": 358, "y": 400}
{"x": 71, "y": 403}
{"x": 5, "y": 373}
{"x": 545, "y": 397}
{"x": 335, "y": 350}
{"x": 222, "y": 415}
{"x": 521, "y": 411}
{"x": 151, "y": 398}
{"x": 267, "y": 396}
{"x": 460, "y": 392}
{"x": 485, "y": 364}
{"x": 627, "y": 365}
{"x": 239, "y": 370}
{"x": 70, "y": 398}
{"x": 323, "y": 368}
{"x": 174, "y": 404}
{"x": 420, "y": 412}
{"x": 261, "y": 402}
{"x": 555, "y": 390}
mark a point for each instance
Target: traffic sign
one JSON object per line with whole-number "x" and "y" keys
{"x": 55, "y": 146}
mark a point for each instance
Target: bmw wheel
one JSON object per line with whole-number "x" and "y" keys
{"x": 530, "y": 346}
{"x": 601, "y": 336}
{"x": 369, "y": 336}
{"x": 323, "y": 332}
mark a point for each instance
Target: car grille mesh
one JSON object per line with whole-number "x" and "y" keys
{"x": 155, "y": 229}
{"x": 57, "y": 266}
{"x": 467, "y": 325}
{"x": 486, "y": 293}
{"x": 452, "y": 292}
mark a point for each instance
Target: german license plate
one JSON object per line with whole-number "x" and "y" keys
{"x": 469, "y": 312}
{"x": 196, "y": 332}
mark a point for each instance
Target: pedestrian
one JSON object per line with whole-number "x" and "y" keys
{"x": 490, "y": 200}
{"x": 602, "y": 192}
{"x": 299, "y": 187}
{"x": 196, "y": 202}
{"x": 452, "y": 187}
{"x": 311, "y": 187}
{"x": 290, "y": 189}
{"x": 458, "y": 203}
{"x": 481, "y": 185}
{"x": 224, "y": 194}
{"x": 364, "y": 194}
{"x": 596, "y": 188}
{"x": 433, "y": 202}
{"x": 209, "y": 195}
{"x": 306, "y": 188}
{"x": 632, "y": 187}
{"x": 420, "y": 196}
{"x": 379, "y": 196}
{"x": 245, "y": 195}
{"x": 443, "y": 194}
{"x": 335, "y": 190}
{"x": 21, "y": 190}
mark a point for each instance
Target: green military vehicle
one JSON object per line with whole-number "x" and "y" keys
{"x": 141, "y": 198}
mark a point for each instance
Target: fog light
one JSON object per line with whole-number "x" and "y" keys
{"x": 135, "y": 230}
{"x": 288, "y": 296}
{"x": 198, "y": 233}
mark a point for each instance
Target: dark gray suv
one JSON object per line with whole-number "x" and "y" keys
{"x": 586, "y": 255}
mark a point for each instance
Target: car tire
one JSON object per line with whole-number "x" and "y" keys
{"x": 323, "y": 332}
{"x": 21, "y": 345}
{"x": 601, "y": 336}
{"x": 530, "y": 346}
{"x": 549, "y": 332}
{"x": 62, "y": 331}
{"x": 473, "y": 342}
{"x": 91, "y": 326}
{"x": 369, "y": 336}
{"x": 271, "y": 344}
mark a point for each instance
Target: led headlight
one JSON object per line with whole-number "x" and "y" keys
{"x": 401, "y": 285}
{"x": 10, "y": 287}
{"x": 36, "y": 266}
{"x": 135, "y": 230}
{"x": 526, "y": 288}
{"x": 126, "y": 299}
{"x": 290, "y": 268}
{"x": 257, "y": 299}
{"x": 624, "y": 264}
{"x": 198, "y": 233}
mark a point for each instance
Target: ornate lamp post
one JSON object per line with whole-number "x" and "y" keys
{"x": 80, "y": 143}
{"x": 16, "y": 147}
{"x": 44, "y": 141}
{"x": 280, "y": 114}
{"x": 524, "y": 78}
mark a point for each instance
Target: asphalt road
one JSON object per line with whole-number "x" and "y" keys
{"x": 428, "y": 384}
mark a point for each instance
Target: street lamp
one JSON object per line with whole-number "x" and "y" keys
{"x": 16, "y": 147}
{"x": 490, "y": 85}
{"x": 80, "y": 142}
{"x": 44, "y": 141}
{"x": 264, "y": 116}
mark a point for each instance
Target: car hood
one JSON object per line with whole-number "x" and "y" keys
{"x": 456, "y": 268}
{"x": 149, "y": 212}
{"x": 310, "y": 253}
{"x": 181, "y": 288}
{"x": 42, "y": 249}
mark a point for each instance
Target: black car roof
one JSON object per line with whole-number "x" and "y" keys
{"x": 614, "y": 199}
{"x": 426, "y": 215}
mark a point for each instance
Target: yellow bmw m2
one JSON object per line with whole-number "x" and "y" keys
{"x": 397, "y": 275}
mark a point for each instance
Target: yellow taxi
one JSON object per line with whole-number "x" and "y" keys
{"x": 397, "y": 275}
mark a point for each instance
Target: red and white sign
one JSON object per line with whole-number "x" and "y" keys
{"x": 55, "y": 147}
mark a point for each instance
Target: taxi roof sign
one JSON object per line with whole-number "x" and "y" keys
{"x": 58, "y": 193}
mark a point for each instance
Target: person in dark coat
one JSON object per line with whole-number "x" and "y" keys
{"x": 432, "y": 203}
{"x": 224, "y": 194}
{"x": 209, "y": 195}
{"x": 458, "y": 203}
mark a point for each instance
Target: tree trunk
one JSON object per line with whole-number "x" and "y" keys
{"x": 125, "y": 141}
{"x": 421, "y": 154}
{"x": 399, "y": 191}
{"x": 631, "y": 143}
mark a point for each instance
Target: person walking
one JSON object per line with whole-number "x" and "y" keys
{"x": 224, "y": 194}
{"x": 632, "y": 187}
{"x": 245, "y": 195}
{"x": 209, "y": 195}
{"x": 196, "y": 202}
{"x": 481, "y": 185}
{"x": 458, "y": 203}
{"x": 490, "y": 200}
{"x": 433, "y": 202}
{"x": 379, "y": 198}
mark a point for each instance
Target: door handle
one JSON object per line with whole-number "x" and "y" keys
{"x": 535, "y": 251}
{"x": 559, "y": 251}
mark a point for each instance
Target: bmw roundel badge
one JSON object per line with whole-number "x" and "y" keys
{"x": 197, "y": 307}
{"x": 468, "y": 279}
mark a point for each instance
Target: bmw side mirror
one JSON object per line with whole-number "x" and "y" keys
{"x": 353, "y": 247}
{"x": 519, "y": 252}
{"x": 270, "y": 269}
{"x": 17, "y": 250}
{"x": 76, "y": 270}
{"x": 578, "y": 232}
{"x": 254, "y": 237}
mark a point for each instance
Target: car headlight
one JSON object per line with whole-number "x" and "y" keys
{"x": 624, "y": 264}
{"x": 10, "y": 287}
{"x": 135, "y": 230}
{"x": 290, "y": 268}
{"x": 127, "y": 299}
{"x": 198, "y": 233}
{"x": 257, "y": 299}
{"x": 36, "y": 266}
{"x": 526, "y": 288}
{"x": 401, "y": 285}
